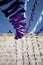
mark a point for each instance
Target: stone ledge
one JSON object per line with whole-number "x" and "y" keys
{"x": 25, "y": 51}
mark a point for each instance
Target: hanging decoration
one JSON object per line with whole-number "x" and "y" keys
{"x": 15, "y": 13}
{"x": 17, "y": 19}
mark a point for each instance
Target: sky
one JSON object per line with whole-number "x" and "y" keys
{"x": 5, "y": 26}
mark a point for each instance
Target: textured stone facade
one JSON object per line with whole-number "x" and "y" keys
{"x": 25, "y": 51}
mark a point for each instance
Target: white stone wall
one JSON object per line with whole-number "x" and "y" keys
{"x": 25, "y": 51}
